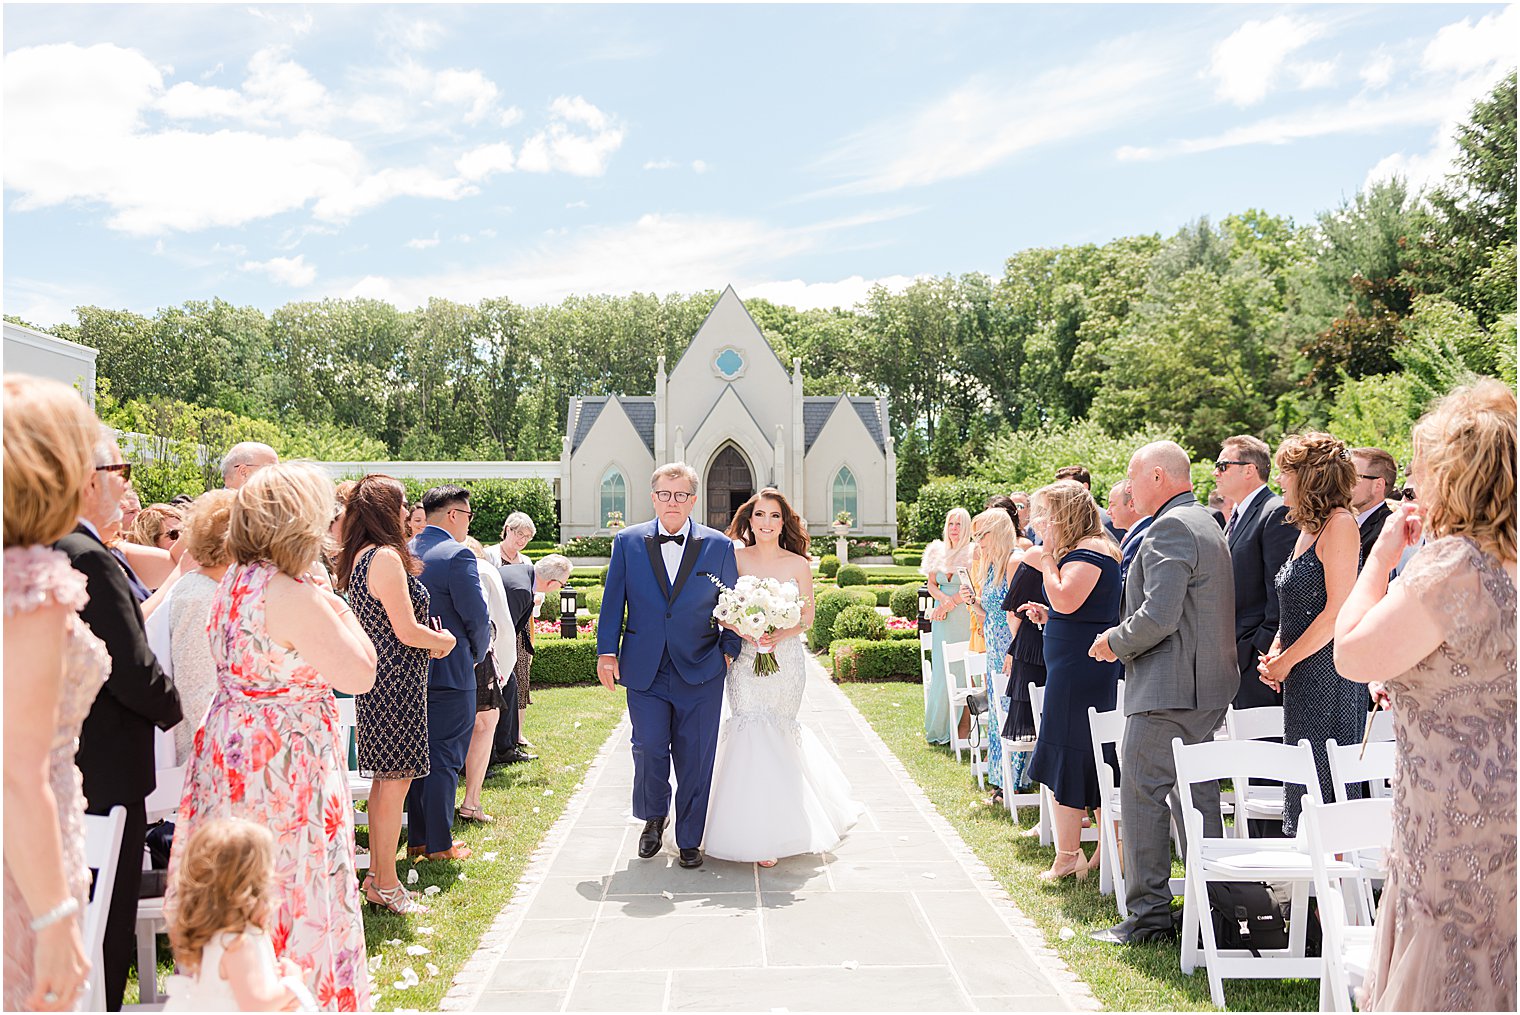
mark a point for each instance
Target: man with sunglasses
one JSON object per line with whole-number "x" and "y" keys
{"x": 115, "y": 754}
{"x": 1376, "y": 472}
{"x": 1260, "y": 541}
{"x": 670, "y": 656}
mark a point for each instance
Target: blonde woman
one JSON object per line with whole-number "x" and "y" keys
{"x": 1079, "y": 566}
{"x": 54, "y": 667}
{"x": 944, "y": 561}
{"x": 268, "y": 750}
{"x": 991, "y": 571}
{"x": 1443, "y": 637}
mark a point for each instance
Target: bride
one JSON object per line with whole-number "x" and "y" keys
{"x": 775, "y": 791}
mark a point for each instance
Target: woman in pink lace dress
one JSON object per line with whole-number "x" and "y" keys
{"x": 1443, "y": 637}
{"x": 54, "y": 667}
{"x": 268, "y": 750}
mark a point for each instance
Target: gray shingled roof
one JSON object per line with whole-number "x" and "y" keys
{"x": 640, "y": 410}
{"x": 816, "y": 411}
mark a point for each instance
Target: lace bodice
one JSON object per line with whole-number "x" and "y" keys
{"x": 775, "y": 697}
{"x": 36, "y": 577}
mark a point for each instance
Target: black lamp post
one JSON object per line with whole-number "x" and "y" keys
{"x": 925, "y": 602}
{"x": 567, "y": 608}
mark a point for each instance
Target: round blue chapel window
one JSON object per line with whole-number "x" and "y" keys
{"x": 729, "y": 363}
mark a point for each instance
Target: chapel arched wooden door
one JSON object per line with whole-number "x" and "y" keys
{"x": 729, "y": 485}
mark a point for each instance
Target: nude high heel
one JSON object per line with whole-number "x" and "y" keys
{"x": 1068, "y": 863}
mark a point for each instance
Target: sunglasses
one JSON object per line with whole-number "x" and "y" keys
{"x": 173, "y": 534}
{"x": 679, "y": 496}
{"x": 1363, "y": 475}
{"x": 1407, "y": 493}
{"x": 125, "y": 468}
{"x": 1223, "y": 464}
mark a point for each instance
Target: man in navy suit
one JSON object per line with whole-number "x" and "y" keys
{"x": 1127, "y": 519}
{"x": 670, "y": 655}
{"x": 454, "y": 597}
{"x": 1260, "y": 540}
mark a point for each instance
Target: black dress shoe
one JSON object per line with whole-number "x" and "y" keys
{"x": 649, "y": 840}
{"x": 518, "y": 755}
{"x": 1132, "y": 931}
{"x": 691, "y": 856}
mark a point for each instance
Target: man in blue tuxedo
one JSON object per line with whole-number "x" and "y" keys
{"x": 455, "y": 598}
{"x": 670, "y": 655}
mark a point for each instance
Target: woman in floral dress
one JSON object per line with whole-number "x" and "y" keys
{"x": 991, "y": 570}
{"x": 268, "y": 750}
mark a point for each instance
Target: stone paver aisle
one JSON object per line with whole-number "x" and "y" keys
{"x": 902, "y": 918}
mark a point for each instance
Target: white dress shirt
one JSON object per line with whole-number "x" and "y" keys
{"x": 1240, "y": 509}
{"x": 504, "y": 644}
{"x": 672, "y": 552}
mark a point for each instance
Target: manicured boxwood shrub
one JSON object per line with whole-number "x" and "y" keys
{"x": 908, "y": 558}
{"x": 549, "y": 609}
{"x": 828, "y": 565}
{"x": 910, "y": 633}
{"x": 851, "y": 574}
{"x": 827, "y": 605}
{"x": 591, "y": 598}
{"x": 563, "y": 662}
{"x": 858, "y": 659}
{"x": 860, "y": 621}
{"x": 904, "y": 602}
{"x": 588, "y": 546}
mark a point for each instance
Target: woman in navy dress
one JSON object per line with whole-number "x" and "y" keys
{"x": 1080, "y": 566}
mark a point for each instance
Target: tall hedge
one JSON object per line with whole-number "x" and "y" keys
{"x": 563, "y": 662}
{"x": 857, "y": 659}
{"x": 827, "y": 606}
{"x": 493, "y": 499}
{"x": 937, "y": 497}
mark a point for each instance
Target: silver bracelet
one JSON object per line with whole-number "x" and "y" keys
{"x": 68, "y": 907}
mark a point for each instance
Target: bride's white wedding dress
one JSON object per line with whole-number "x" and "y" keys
{"x": 775, "y": 791}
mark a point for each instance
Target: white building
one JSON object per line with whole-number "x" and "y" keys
{"x": 29, "y": 351}
{"x": 732, "y": 410}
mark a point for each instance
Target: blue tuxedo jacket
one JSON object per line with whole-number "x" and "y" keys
{"x": 449, "y": 571}
{"x": 665, "y": 617}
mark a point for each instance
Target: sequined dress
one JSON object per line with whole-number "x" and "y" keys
{"x": 776, "y": 791}
{"x": 1445, "y": 934}
{"x": 37, "y": 577}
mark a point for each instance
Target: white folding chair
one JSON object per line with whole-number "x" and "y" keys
{"x": 1349, "y": 765}
{"x": 1047, "y": 799}
{"x": 959, "y": 684}
{"x": 926, "y": 664}
{"x": 1108, "y": 728}
{"x": 1245, "y": 859}
{"x": 102, "y": 852}
{"x": 977, "y": 676}
{"x": 358, "y": 785}
{"x": 1357, "y": 827}
{"x": 162, "y": 804}
{"x": 1247, "y": 801}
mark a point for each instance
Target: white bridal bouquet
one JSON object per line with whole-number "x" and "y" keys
{"x": 756, "y": 607}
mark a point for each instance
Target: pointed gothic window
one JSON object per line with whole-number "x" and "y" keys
{"x": 843, "y": 498}
{"x": 614, "y": 498}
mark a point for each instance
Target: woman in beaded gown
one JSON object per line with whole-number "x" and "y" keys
{"x": 776, "y": 791}
{"x": 54, "y": 667}
{"x": 1445, "y": 632}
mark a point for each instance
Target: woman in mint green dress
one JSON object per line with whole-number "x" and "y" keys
{"x": 950, "y": 620}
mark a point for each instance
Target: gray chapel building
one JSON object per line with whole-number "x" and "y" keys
{"x": 731, "y": 410}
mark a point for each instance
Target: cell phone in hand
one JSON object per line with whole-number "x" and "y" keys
{"x": 436, "y": 623}
{"x": 963, "y": 575}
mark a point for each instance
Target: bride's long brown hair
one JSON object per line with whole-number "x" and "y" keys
{"x": 794, "y": 537}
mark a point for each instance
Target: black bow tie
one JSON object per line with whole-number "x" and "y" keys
{"x": 661, "y": 538}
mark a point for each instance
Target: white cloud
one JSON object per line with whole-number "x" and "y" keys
{"x": 466, "y": 87}
{"x": 423, "y": 242}
{"x": 1465, "y": 47}
{"x": 1420, "y": 169}
{"x": 845, "y": 293}
{"x": 488, "y": 233}
{"x": 560, "y": 147}
{"x": 235, "y": 249}
{"x": 277, "y": 91}
{"x": 988, "y": 120}
{"x": 656, "y": 253}
{"x": 698, "y": 166}
{"x": 411, "y": 33}
{"x": 661, "y": 164}
{"x": 577, "y": 204}
{"x": 479, "y": 163}
{"x": 1247, "y": 62}
{"x": 291, "y": 271}
{"x": 1315, "y": 74}
{"x": 1378, "y": 72}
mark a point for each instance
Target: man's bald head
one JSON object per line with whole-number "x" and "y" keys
{"x": 243, "y": 460}
{"x": 1158, "y": 472}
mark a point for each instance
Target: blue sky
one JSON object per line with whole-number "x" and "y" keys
{"x": 265, "y": 154}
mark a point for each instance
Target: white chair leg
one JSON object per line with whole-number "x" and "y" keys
{"x": 1188, "y": 958}
{"x": 147, "y": 963}
{"x": 1298, "y": 919}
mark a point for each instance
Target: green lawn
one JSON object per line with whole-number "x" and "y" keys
{"x": 568, "y": 725}
{"x": 1139, "y": 978}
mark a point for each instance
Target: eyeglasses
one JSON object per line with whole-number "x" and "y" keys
{"x": 125, "y": 468}
{"x": 464, "y": 511}
{"x": 1407, "y": 493}
{"x": 679, "y": 496}
{"x": 1363, "y": 475}
{"x": 1223, "y": 464}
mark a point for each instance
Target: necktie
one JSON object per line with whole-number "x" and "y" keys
{"x": 1230, "y": 528}
{"x": 661, "y": 539}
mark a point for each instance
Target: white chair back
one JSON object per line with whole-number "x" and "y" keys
{"x": 1382, "y": 725}
{"x": 1108, "y": 728}
{"x": 1343, "y": 828}
{"x": 1254, "y": 723}
{"x": 1348, "y": 764}
{"x": 102, "y": 852}
{"x": 169, "y": 788}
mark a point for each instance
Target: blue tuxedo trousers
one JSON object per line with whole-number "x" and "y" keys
{"x": 675, "y": 721}
{"x": 430, "y": 801}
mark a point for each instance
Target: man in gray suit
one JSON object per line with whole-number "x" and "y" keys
{"x": 1177, "y": 642}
